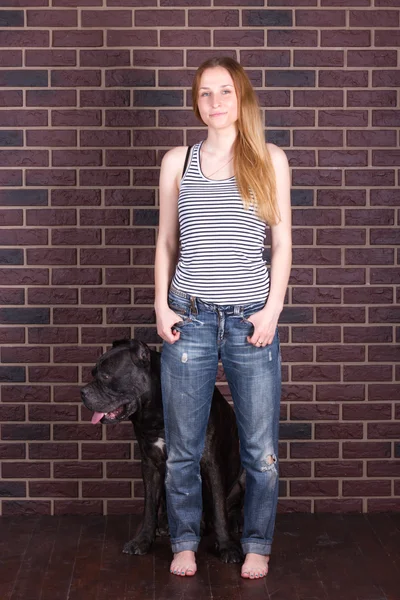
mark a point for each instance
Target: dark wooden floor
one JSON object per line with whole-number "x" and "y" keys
{"x": 315, "y": 557}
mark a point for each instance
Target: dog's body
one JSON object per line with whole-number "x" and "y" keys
{"x": 127, "y": 385}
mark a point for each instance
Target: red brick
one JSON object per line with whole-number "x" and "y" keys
{"x": 51, "y": 18}
{"x": 328, "y": 487}
{"x": 11, "y": 58}
{"x": 383, "y": 392}
{"x": 77, "y": 276}
{"x": 26, "y": 507}
{"x": 78, "y": 39}
{"x": 122, "y": 431}
{"x": 25, "y": 393}
{"x": 53, "y": 489}
{"x": 338, "y": 506}
{"x": 78, "y": 118}
{"x": 366, "y": 449}
{"x": 341, "y": 431}
{"x": 383, "y": 430}
{"x": 383, "y": 468}
{"x": 75, "y": 197}
{"x": 75, "y": 78}
{"x": 78, "y": 507}
{"x": 367, "y": 373}
{"x": 25, "y": 432}
{"x": 13, "y": 451}
{"x": 383, "y": 505}
{"x": 51, "y": 138}
{"x": 338, "y": 468}
{"x": 51, "y": 450}
{"x": 123, "y": 507}
{"x": 99, "y": 335}
{"x": 77, "y": 158}
{"x": 105, "y": 138}
{"x": 110, "y": 256}
{"x": 111, "y": 489}
{"x": 132, "y": 37}
{"x": 11, "y": 412}
{"x": 53, "y": 374}
{"x": 52, "y": 335}
{"x": 77, "y": 354}
{"x": 105, "y": 296}
{"x": 22, "y": 39}
{"x": 123, "y": 470}
{"x": 50, "y": 58}
{"x": 314, "y": 412}
{"x": 367, "y": 412}
{"x": 75, "y": 470}
{"x": 106, "y": 18}
{"x": 74, "y": 237}
{"x": 314, "y": 450}
{"x": 105, "y": 58}
{"x": 378, "y": 487}
{"x": 21, "y": 354}
{"x": 26, "y": 469}
{"x": 18, "y": 158}
{"x": 50, "y": 177}
{"x": 106, "y": 451}
{"x": 52, "y": 412}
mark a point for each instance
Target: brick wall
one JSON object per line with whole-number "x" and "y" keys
{"x": 93, "y": 92}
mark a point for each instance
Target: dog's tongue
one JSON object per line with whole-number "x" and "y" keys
{"x": 97, "y": 417}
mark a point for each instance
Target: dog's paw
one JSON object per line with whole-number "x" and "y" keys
{"x": 137, "y": 546}
{"x": 162, "y": 531}
{"x": 230, "y": 553}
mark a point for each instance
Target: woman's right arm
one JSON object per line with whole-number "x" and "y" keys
{"x": 167, "y": 247}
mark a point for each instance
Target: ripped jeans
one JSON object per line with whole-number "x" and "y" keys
{"x": 188, "y": 374}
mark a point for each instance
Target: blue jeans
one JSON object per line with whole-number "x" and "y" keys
{"x": 188, "y": 373}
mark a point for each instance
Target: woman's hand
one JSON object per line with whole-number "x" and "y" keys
{"x": 166, "y": 319}
{"x": 265, "y": 322}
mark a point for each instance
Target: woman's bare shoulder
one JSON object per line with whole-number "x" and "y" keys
{"x": 173, "y": 161}
{"x": 278, "y": 157}
{"x": 275, "y": 151}
{"x": 174, "y": 155}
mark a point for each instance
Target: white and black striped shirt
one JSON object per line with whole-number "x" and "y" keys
{"x": 221, "y": 255}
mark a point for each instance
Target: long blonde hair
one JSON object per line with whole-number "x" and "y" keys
{"x": 254, "y": 172}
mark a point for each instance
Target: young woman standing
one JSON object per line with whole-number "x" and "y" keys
{"x": 216, "y": 299}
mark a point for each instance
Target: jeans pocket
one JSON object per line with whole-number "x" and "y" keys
{"x": 180, "y": 306}
{"x": 249, "y": 310}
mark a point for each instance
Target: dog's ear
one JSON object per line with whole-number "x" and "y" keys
{"x": 120, "y": 342}
{"x": 140, "y": 353}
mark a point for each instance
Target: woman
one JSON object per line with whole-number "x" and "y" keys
{"x": 222, "y": 304}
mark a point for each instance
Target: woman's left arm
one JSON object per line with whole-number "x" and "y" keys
{"x": 266, "y": 320}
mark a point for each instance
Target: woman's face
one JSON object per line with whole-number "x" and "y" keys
{"x": 217, "y": 99}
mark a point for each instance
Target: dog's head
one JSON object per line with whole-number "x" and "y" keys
{"x": 121, "y": 378}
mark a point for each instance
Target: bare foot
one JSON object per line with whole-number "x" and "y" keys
{"x": 184, "y": 563}
{"x": 255, "y": 566}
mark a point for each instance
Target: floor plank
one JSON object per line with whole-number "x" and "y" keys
{"x": 314, "y": 557}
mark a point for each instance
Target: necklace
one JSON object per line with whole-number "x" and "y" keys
{"x": 209, "y": 176}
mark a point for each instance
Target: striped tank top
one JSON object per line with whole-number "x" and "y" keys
{"x": 221, "y": 243}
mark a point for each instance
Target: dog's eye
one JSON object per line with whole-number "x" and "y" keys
{"x": 106, "y": 376}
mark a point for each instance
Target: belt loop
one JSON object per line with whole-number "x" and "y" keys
{"x": 193, "y": 305}
{"x": 236, "y": 309}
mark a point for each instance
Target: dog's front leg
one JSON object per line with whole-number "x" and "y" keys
{"x": 153, "y": 481}
{"x": 229, "y": 549}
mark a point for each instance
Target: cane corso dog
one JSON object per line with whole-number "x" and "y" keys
{"x": 126, "y": 385}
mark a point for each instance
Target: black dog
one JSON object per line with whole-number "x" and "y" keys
{"x": 126, "y": 385}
